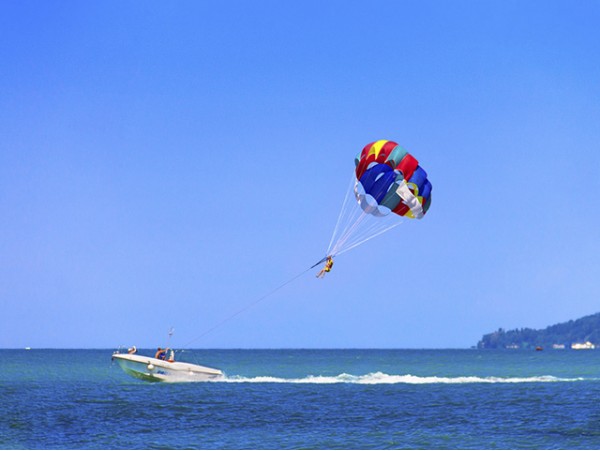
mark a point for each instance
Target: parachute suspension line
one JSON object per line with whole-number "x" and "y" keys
{"x": 246, "y": 308}
{"x": 355, "y": 226}
{"x": 351, "y": 226}
{"x": 344, "y": 211}
{"x": 362, "y": 230}
{"x": 369, "y": 237}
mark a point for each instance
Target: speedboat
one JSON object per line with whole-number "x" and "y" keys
{"x": 158, "y": 370}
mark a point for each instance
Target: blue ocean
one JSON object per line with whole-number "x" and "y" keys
{"x": 306, "y": 399}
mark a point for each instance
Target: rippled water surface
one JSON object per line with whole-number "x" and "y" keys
{"x": 315, "y": 399}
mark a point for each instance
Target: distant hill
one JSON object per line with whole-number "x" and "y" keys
{"x": 575, "y": 331}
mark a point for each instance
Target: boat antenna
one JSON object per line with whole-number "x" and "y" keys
{"x": 171, "y": 332}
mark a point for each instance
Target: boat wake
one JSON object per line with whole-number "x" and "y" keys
{"x": 382, "y": 378}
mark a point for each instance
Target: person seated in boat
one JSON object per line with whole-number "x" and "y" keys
{"x": 326, "y": 268}
{"x": 132, "y": 350}
{"x": 160, "y": 354}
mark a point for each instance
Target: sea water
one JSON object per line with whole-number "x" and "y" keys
{"x": 306, "y": 399}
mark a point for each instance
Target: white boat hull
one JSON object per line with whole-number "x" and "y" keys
{"x": 155, "y": 370}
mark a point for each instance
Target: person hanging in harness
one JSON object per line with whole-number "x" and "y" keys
{"x": 326, "y": 268}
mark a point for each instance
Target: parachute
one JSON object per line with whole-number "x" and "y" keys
{"x": 388, "y": 184}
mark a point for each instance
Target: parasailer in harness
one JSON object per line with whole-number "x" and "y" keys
{"x": 326, "y": 268}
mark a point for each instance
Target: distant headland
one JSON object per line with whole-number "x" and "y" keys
{"x": 583, "y": 333}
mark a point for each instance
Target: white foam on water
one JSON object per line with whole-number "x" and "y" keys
{"x": 382, "y": 378}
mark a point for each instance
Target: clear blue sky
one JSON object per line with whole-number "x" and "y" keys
{"x": 168, "y": 163}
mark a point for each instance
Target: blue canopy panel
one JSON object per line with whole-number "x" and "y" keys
{"x": 417, "y": 181}
{"x": 377, "y": 181}
{"x": 426, "y": 192}
{"x": 427, "y": 196}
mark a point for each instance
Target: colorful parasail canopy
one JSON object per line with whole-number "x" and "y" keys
{"x": 389, "y": 179}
